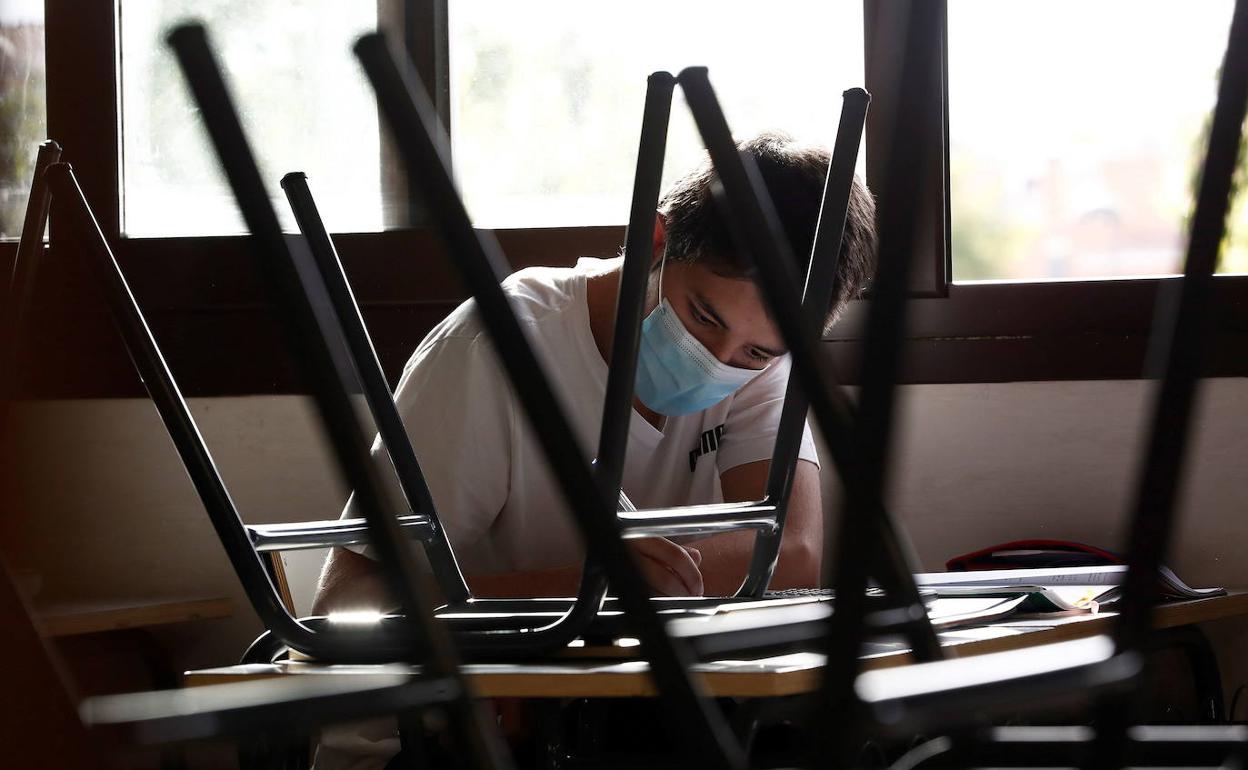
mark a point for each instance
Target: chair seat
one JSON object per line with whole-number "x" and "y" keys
{"x": 712, "y": 626}
{"x": 699, "y": 520}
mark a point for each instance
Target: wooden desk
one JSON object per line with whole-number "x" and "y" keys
{"x": 754, "y": 678}
{"x": 77, "y": 618}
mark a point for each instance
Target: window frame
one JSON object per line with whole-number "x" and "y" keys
{"x": 207, "y": 303}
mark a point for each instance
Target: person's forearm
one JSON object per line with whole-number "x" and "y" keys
{"x": 367, "y": 590}
{"x": 353, "y": 582}
{"x": 556, "y": 581}
{"x": 726, "y": 559}
{"x": 350, "y": 582}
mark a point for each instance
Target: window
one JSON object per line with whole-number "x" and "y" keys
{"x": 546, "y": 106}
{"x": 23, "y": 114}
{"x": 303, "y": 100}
{"x": 1076, "y": 133}
{"x": 544, "y": 102}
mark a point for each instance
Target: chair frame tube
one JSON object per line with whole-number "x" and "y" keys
{"x": 521, "y": 641}
{"x": 482, "y": 267}
{"x": 310, "y": 327}
{"x": 756, "y": 226}
{"x": 859, "y": 443}
{"x": 376, "y": 389}
{"x": 766, "y": 516}
{"x": 19, "y": 289}
{"x": 817, "y": 295}
{"x": 166, "y": 396}
{"x": 1181, "y": 327}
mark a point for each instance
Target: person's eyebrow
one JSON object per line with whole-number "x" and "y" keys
{"x": 710, "y": 310}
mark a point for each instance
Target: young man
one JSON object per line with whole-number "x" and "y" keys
{"x": 711, "y": 378}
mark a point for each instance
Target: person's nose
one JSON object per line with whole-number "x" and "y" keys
{"x": 723, "y": 349}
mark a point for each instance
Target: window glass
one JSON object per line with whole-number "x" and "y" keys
{"x": 1076, "y": 132}
{"x": 547, "y": 96}
{"x": 23, "y": 112}
{"x": 303, "y": 100}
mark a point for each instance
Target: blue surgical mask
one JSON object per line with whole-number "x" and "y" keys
{"x": 676, "y": 374}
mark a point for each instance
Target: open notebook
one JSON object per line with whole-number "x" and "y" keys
{"x": 1054, "y": 589}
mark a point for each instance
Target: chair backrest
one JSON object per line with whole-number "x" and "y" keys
{"x": 857, "y": 441}
{"x": 167, "y": 397}
{"x": 868, "y": 542}
{"x": 816, "y": 298}
{"x": 52, "y": 723}
{"x": 510, "y": 639}
{"x": 310, "y": 324}
{"x": 817, "y": 295}
{"x": 358, "y": 348}
{"x": 417, "y": 134}
{"x": 617, "y": 402}
{"x": 326, "y": 641}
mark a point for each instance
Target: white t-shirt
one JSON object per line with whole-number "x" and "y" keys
{"x": 500, "y": 505}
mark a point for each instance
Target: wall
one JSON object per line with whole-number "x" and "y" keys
{"x": 106, "y": 509}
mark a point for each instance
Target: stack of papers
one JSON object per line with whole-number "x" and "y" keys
{"x": 1055, "y": 589}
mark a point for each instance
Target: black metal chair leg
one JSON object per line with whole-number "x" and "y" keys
{"x": 1203, "y": 662}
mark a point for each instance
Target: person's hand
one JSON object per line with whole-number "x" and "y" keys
{"x": 670, "y": 569}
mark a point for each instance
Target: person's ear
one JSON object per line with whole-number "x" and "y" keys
{"x": 660, "y": 239}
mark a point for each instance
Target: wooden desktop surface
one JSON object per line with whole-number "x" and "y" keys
{"x": 87, "y": 617}
{"x": 749, "y": 678}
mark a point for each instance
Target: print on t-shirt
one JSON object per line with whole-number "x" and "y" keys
{"x": 707, "y": 444}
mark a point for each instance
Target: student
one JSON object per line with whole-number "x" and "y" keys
{"x": 710, "y": 386}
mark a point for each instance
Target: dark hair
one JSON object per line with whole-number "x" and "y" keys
{"x": 794, "y": 175}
